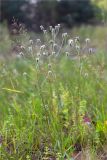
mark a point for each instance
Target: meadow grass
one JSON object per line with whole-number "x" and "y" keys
{"x": 53, "y": 99}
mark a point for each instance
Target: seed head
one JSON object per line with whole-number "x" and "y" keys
{"x": 64, "y": 35}
{"x": 31, "y": 41}
{"x": 53, "y": 53}
{"x": 37, "y": 60}
{"x": 42, "y": 47}
{"x": 44, "y": 53}
{"x": 41, "y": 27}
{"x": 44, "y": 31}
{"x": 22, "y": 47}
{"x": 53, "y": 31}
{"x": 38, "y": 41}
{"x": 70, "y": 42}
{"x": 57, "y": 28}
{"x": 77, "y": 39}
{"x": 59, "y": 25}
{"x": 87, "y": 40}
{"x": 30, "y": 48}
{"x": 50, "y": 27}
{"x": 51, "y": 41}
{"x": 54, "y": 45}
{"x": 49, "y": 72}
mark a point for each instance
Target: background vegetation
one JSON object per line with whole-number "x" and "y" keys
{"x": 46, "y": 12}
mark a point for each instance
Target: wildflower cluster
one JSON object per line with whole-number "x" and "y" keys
{"x": 53, "y": 45}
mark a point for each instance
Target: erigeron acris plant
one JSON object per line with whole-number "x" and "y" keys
{"x": 50, "y": 49}
{"x": 53, "y": 92}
